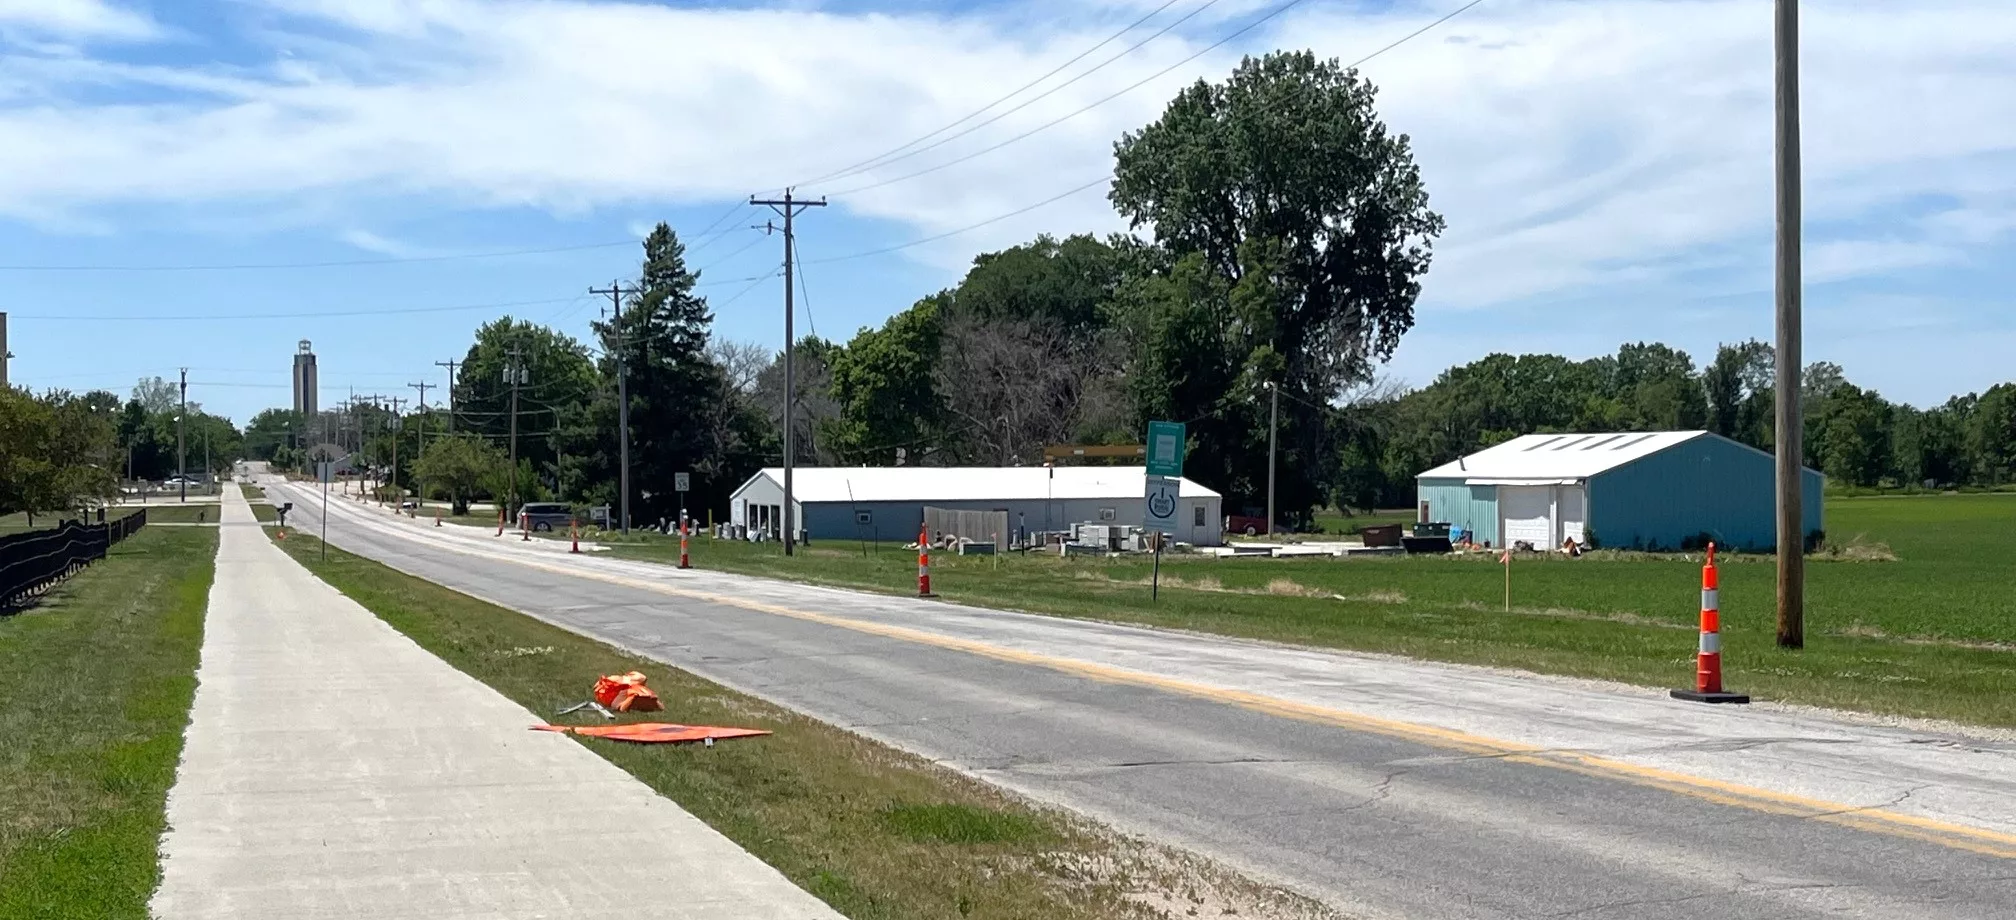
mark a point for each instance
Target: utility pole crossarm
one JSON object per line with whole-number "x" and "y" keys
{"x": 788, "y": 208}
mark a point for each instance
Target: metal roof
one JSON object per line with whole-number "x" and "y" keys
{"x": 966, "y": 483}
{"x": 1548, "y": 457}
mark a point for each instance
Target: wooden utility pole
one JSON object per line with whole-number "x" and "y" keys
{"x": 1273, "y": 425}
{"x": 514, "y": 374}
{"x": 789, "y": 209}
{"x": 182, "y": 441}
{"x": 420, "y": 437}
{"x": 620, "y": 348}
{"x": 1790, "y": 419}
{"x": 397, "y": 423}
{"x": 451, "y": 366}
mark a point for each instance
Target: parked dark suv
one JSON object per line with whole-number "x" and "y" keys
{"x": 545, "y": 516}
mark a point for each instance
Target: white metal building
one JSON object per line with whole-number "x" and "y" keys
{"x": 887, "y": 503}
{"x": 1641, "y": 489}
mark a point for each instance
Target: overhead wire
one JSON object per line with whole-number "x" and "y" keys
{"x": 1109, "y": 176}
{"x": 1276, "y": 11}
{"x": 893, "y": 155}
{"x": 338, "y": 263}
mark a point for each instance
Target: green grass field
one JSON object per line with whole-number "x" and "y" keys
{"x": 1932, "y": 633}
{"x": 872, "y": 831}
{"x": 97, "y": 683}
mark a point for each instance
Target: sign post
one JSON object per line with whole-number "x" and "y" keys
{"x": 680, "y": 483}
{"x": 1161, "y": 499}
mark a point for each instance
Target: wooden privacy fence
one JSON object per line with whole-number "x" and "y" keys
{"x": 968, "y": 526}
{"x": 32, "y": 563}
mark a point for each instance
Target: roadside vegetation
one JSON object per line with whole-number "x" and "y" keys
{"x": 1914, "y": 615}
{"x": 98, "y": 679}
{"x": 872, "y": 831}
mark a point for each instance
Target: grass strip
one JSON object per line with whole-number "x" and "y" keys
{"x": 98, "y": 680}
{"x": 872, "y": 831}
{"x": 1931, "y": 634}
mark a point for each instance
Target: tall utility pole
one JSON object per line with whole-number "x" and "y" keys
{"x": 397, "y": 423}
{"x": 182, "y": 441}
{"x": 619, "y": 348}
{"x": 374, "y": 400}
{"x": 1273, "y": 425}
{"x": 1790, "y": 416}
{"x": 420, "y": 438}
{"x": 789, "y": 209}
{"x": 514, "y": 374}
{"x": 451, "y": 366}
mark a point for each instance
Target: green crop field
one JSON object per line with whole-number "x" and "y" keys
{"x": 1917, "y": 616}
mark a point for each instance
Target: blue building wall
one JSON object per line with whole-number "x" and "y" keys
{"x": 1473, "y": 508}
{"x": 1706, "y": 485}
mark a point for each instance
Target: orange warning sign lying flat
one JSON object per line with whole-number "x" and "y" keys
{"x": 654, "y": 732}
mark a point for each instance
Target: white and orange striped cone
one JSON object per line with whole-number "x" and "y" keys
{"x": 525, "y": 528}
{"x": 1708, "y": 662}
{"x": 500, "y": 520}
{"x": 437, "y": 517}
{"x": 685, "y": 562}
{"x": 574, "y": 534}
{"x": 923, "y": 564}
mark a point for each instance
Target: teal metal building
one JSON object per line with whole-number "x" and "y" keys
{"x": 1660, "y": 490}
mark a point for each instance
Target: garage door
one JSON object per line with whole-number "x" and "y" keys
{"x": 1574, "y": 510}
{"x": 1527, "y": 513}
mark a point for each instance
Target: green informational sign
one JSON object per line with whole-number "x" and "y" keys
{"x": 1165, "y": 448}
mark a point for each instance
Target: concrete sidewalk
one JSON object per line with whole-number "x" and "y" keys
{"x": 334, "y": 769}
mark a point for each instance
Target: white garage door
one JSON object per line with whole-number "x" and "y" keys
{"x": 1574, "y": 510}
{"x": 1527, "y": 513}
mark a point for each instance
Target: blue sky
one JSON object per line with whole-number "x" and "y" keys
{"x": 1605, "y": 166}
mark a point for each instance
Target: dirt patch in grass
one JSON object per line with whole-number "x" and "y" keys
{"x": 872, "y": 831}
{"x": 97, "y": 681}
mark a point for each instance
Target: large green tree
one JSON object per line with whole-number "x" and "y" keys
{"x": 1299, "y": 228}
{"x": 459, "y": 467}
{"x": 682, "y": 416}
{"x": 885, "y": 384}
{"x": 558, "y": 382}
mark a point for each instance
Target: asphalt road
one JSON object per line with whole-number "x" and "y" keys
{"x": 1386, "y": 788}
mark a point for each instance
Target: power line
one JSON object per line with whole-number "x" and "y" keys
{"x": 340, "y": 263}
{"x": 1283, "y": 8}
{"x": 1109, "y": 176}
{"x": 887, "y": 157}
{"x": 401, "y": 311}
{"x": 397, "y": 311}
{"x": 799, "y": 259}
{"x": 1277, "y": 11}
{"x": 752, "y": 286}
{"x": 969, "y": 227}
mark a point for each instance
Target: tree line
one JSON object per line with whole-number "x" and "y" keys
{"x": 1280, "y": 233}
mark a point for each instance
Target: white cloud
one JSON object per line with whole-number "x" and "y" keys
{"x": 73, "y": 19}
{"x": 1574, "y": 146}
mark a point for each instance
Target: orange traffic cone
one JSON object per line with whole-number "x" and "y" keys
{"x": 574, "y": 531}
{"x": 923, "y": 564}
{"x": 1708, "y": 662}
{"x": 684, "y": 561}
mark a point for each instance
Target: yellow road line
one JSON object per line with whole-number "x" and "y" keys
{"x": 1873, "y": 820}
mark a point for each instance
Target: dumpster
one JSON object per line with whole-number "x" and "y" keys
{"x": 1381, "y": 535}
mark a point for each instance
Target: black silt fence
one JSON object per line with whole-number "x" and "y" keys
{"x": 32, "y": 563}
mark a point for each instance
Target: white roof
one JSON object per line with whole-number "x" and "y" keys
{"x": 1544, "y": 458}
{"x": 967, "y": 483}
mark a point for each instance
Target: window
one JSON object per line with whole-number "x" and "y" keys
{"x": 1108, "y": 514}
{"x": 864, "y": 518}
{"x": 1197, "y": 518}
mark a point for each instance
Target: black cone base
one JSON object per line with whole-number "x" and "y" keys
{"x": 1696, "y": 696}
